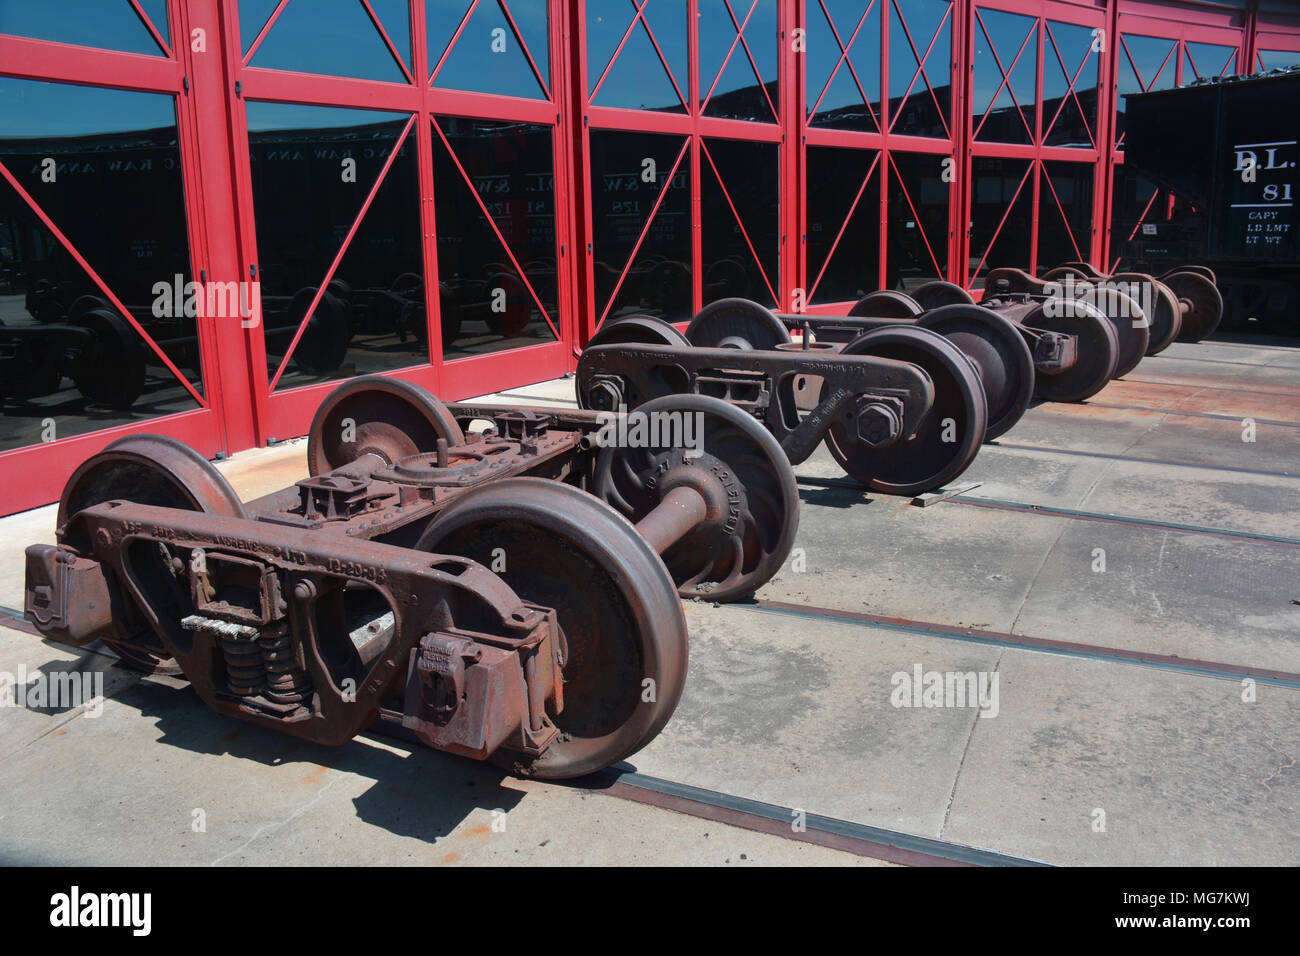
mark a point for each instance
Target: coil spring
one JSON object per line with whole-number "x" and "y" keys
{"x": 245, "y": 672}
{"x": 286, "y": 683}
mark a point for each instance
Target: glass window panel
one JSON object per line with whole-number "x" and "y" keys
{"x": 104, "y": 166}
{"x": 625, "y": 190}
{"x": 1072, "y": 125}
{"x": 253, "y": 15}
{"x": 917, "y": 241}
{"x": 106, "y": 24}
{"x": 371, "y": 318}
{"x": 740, "y": 93}
{"x": 924, "y": 21}
{"x": 1205, "y": 60}
{"x": 638, "y": 78}
{"x": 1068, "y": 237}
{"x": 751, "y": 176}
{"x": 835, "y": 178}
{"x": 843, "y": 104}
{"x": 1157, "y": 67}
{"x": 1135, "y": 201}
{"x": 1278, "y": 59}
{"x": 995, "y": 184}
{"x": 485, "y": 305}
{"x": 331, "y": 37}
{"x": 487, "y": 57}
{"x": 1007, "y": 114}
{"x": 156, "y": 11}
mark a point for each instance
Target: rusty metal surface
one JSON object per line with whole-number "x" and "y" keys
{"x": 760, "y": 382}
{"x": 461, "y": 584}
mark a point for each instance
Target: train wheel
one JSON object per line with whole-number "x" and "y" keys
{"x": 1203, "y": 301}
{"x": 1165, "y": 317}
{"x": 886, "y": 304}
{"x": 621, "y": 619}
{"x": 148, "y": 470}
{"x": 1098, "y": 349}
{"x": 377, "y": 415}
{"x": 114, "y": 373}
{"x": 994, "y": 344}
{"x": 948, "y": 438}
{"x": 628, "y": 330}
{"x": 742, "y": 472}
{"x": 638, "y": 329}
{"x": 1132, "y": 328}
{"x": 935, "y": 295}
{"x": 737, "y": 324}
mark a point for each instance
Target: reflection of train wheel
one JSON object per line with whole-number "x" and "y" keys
{"x": 340, "y": 290}
{"x": 87, "y": 303}
{"x": 726, "y": 278}
{"x": 42, "y": 301}
{"x": 517, "y": 304}
{"x": 325, "y": 340}
{"x": 670, "y": 286}
{"x": 113, "y": 373}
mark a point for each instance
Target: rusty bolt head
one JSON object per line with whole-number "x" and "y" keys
{"x": 878, "y": 424}
{"x": 605, "y": 396}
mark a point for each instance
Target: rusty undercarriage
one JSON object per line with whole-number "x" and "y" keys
{"x": 510, "y": 594}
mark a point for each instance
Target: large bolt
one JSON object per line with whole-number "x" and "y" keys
{"x": 605, "y": 396}
{"x": 878, "y": 423}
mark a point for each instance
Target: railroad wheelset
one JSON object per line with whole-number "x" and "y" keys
{"x": 500, "y": 593}
{"x": 1186, "y": 303}
{"x": 1002, "y": 359}
{"x": 901, "y": 413}
{"x": 1127, "y": 317}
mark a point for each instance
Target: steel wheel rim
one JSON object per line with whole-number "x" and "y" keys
{"x": 390, "y": 418}
{"x": 1098, "y": 350}
{"x": 737, "y": 323}
{"x": 925, "y": 462}
{"x": 1005, "y": 362}
{"x": 712, "y": 563}
{"x": 591, "y": 555}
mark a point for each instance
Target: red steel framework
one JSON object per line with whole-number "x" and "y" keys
{"x": 211, "y": 81}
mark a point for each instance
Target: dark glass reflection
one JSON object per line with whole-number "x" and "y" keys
{"x": 925, "y": 110}
{"x": 745, "y": 90}
{"x": 751, "y": 177}
{"x": 629, "y": 171}
{"x": 835, "y": 180}
{"x": 852, "y": 98}
{"x": 1156, "y": 69}
{"x": 1068, "y": 238}
{"x": 104, "y": 166}
{"x": 995, "y": 104}
{"x": 485, "y": 304}
{"x": 488, "y": 57}
{"x": 1134, "y": 202}
{"x": 918, "y": 220}
{"x": 105, "y": 24}
{"x": 1064, "y": 123}
{"x": 1001, "y": 229}
{"x": 334, "y": 38}
{"x": 643, "y": 76}
{"x": 312, "y": 168}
